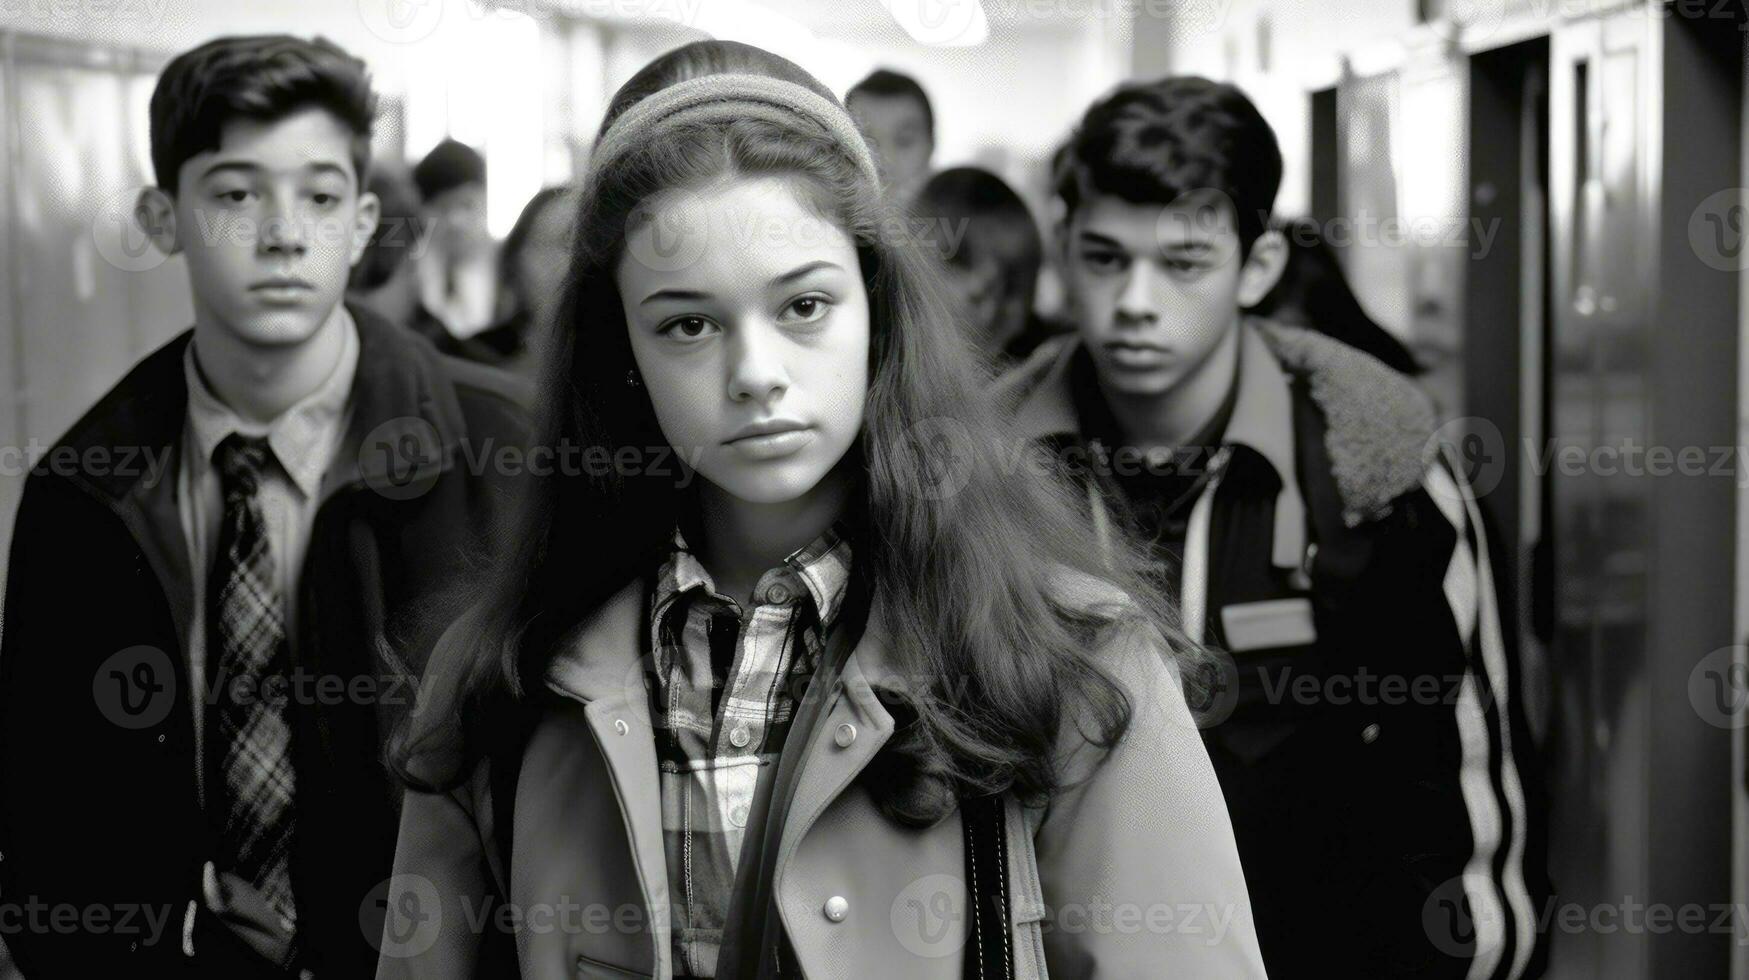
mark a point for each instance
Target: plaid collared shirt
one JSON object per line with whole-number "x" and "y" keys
{"x": 726, "y": 681}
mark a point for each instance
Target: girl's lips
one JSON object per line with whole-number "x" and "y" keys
{"x": 772, "y": 445}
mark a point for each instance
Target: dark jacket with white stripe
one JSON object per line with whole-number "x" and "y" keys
{"x": 1362, "y": 701}
{"x": 100, "y": 825}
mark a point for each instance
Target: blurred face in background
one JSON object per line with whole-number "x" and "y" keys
{"x": 977, "y": 287}
{"x": 459, "y": 217}
{"x": 271, "y": 223}
{"x": 898, "y": 133}
{"x": 544, "y": 257}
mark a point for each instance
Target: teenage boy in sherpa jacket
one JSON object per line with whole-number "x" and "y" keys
{"x": 1364, "y": 718}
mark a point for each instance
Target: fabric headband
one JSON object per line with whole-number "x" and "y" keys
{"x": 730, "y": 96}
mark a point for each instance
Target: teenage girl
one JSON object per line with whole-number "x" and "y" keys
{"x": 797, "y": 669}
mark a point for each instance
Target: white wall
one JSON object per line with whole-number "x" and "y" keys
{"x": 1278, "y": 52}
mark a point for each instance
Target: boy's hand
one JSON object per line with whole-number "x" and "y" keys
{"x": 242, "y": 909}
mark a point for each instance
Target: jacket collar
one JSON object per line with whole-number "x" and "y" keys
{"x": 300, "y": 438}
{"x": 396, "y": 389}
{"x": 1262, "y": 420}
{"x": 1379, "y": 428}
{"x": 601, "y": 660}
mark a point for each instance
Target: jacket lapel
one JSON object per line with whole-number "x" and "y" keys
{"x": 602, "y": 666}
{"x": 831, "y": 766}
{"x": 139, "y": 424}
{"x": 405, "y": 423}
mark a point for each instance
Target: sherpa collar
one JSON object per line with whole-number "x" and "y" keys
{"x": 1379, "y": 426}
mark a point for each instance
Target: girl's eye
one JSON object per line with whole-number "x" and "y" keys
{"x": 806, "y": 309}
{"x": 234, "y": 196}
{"x": 325, "y": 199}
{"x": 687, "y": 328}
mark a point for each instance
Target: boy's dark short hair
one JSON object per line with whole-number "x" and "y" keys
{"x": 997, "y": 225}
{"x": 1152, "y": 142}
{"x": 260, "y": 77}
{"x": 886, "y": 83}
{"x": 449, "y": 165}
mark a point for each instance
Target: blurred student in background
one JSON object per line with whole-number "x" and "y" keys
{"x": 1314, "y": 293}
{"x": 992, "y": 253}
{"x": 531, "y": 271}
{"x": 531, "y": 265}
{"x": 896, "y": 119}
{"x": 385, "y": 281}
{"x": 458, "y": 276}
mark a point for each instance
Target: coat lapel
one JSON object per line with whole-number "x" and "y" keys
{"x": 831, "y": 766}
{"x": 602, "y": 666}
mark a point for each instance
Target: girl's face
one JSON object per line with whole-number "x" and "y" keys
{"x": 749, "y": 324}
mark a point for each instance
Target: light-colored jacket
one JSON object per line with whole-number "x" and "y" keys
{"x": 1134, "y": 866}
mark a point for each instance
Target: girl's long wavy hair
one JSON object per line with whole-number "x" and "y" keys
{"x": 967, "y": 582}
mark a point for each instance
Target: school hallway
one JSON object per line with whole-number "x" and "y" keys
{"x": 1542, "y": 204}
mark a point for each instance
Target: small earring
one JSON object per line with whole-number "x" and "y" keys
{"x": 632, "y": 378}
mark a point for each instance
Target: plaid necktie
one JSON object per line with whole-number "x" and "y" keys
{"x": 249, "y": 727}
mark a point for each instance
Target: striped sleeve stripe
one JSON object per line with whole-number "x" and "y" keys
{"x": 1470, "y": 591}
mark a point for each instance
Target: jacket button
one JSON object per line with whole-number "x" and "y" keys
{"x": 837, "y": 907}
{"x": 1370, "y": 733}
{"x": 845, "y": 735}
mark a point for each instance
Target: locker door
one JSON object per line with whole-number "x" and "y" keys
{"x": 90, "y": 295}
{"x": 1598, "y": 377}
